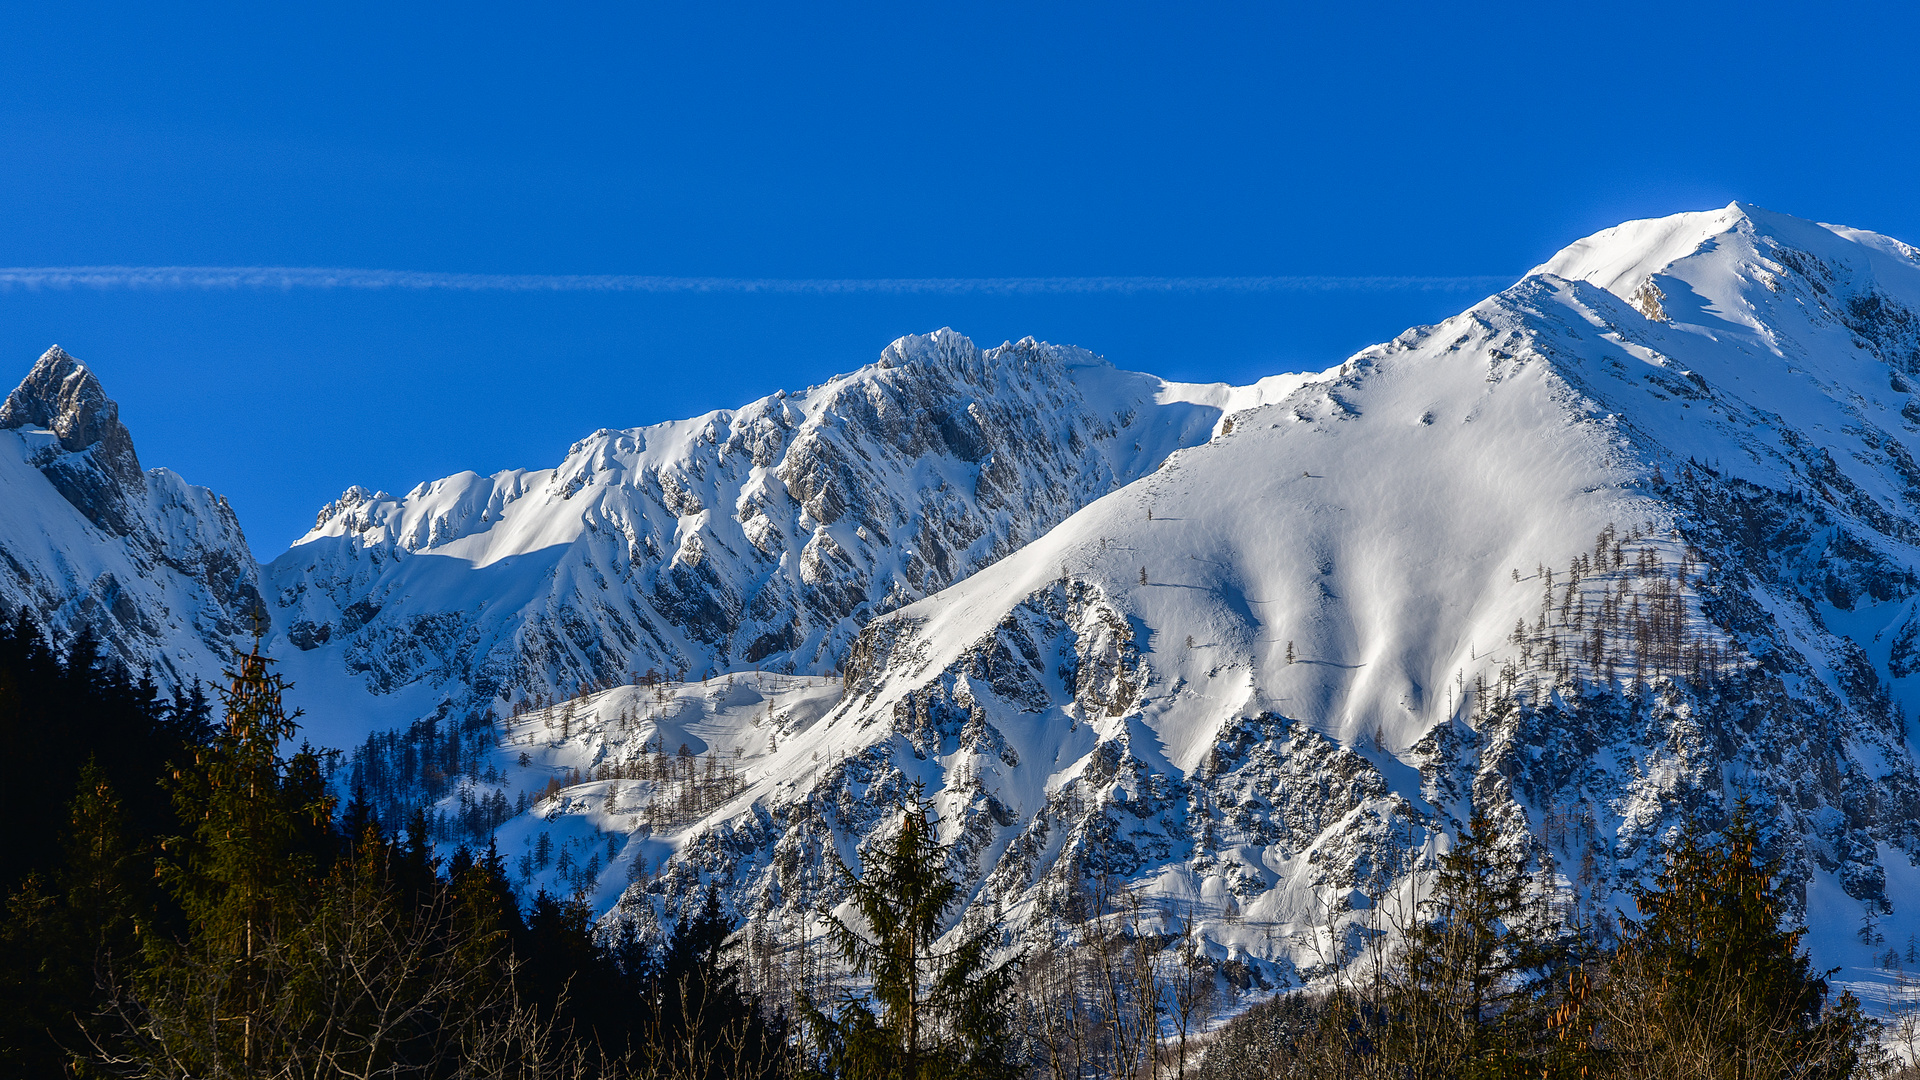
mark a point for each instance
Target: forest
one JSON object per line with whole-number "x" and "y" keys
{"x": 190, "y": 893}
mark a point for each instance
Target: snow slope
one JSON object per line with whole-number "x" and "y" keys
{"x": 764, "y": 536}
{"x": 155, "y": 568}
{"x": 1266, "y": 681}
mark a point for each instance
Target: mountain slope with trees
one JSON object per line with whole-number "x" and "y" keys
{"x": 1592, "y": 564}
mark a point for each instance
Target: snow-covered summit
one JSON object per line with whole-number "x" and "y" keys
{"x": 760, "y": 536}
{"x": 1701, "y": 270}
{"x": 154, "y": 567}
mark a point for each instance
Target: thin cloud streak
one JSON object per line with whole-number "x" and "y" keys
{"x": 313, "y": 277}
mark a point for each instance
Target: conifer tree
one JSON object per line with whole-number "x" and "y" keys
{"x": 942, "y": 1011}
{"x": 254, "y": 817}
{"x": 1460, "y": 1002}
{"x": 257, "y": 825}
{"x": 1708, "y": 981}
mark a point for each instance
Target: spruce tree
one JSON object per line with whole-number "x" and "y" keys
{"x": 255, "y": 819}
{"x": 1461, "y": 1002}
{"x": 942, "y": 1012}
{"x": 1709, "y": 976}
{"x": 258, "y": 826}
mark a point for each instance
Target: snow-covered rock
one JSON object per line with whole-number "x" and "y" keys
{"x": 1617, "y": 547}
{"x": 764, "y": 536}
{"x": 155, "y": 568}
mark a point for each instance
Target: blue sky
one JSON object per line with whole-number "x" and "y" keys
{"x": 845, "y": 142}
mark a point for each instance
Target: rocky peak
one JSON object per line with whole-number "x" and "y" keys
{"x": 154, "y": 568}
{"x": 93, "y": 465}
{"x": 62, "y": 395}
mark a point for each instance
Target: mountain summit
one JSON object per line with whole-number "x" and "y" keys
{"x": 61, "y": 395}
{"x": 154, "y": 568}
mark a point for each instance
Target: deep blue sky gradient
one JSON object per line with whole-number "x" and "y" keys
{"x": 802, "y": 141}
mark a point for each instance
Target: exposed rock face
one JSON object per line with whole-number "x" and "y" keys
{"x": 98, "y": 469}
{"x": 155, "y": 568}
{"x": 761, "y": 537}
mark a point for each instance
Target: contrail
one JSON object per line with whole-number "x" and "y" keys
{"x": 315, "y": 277}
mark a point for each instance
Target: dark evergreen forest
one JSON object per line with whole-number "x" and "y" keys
{"x": 187, "y": 900}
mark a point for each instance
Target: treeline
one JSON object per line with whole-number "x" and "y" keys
{"x": 417, "y": 768}
{"x": 672, "y": 789}
{"x": 1617, "y": 614}
{"x": 1489, "y": 977}
{"x": 205, "y": 907}
{"x": 1485, "y": 980}
{"x": 242, "y": 924}
{"x": 59, "y": 711}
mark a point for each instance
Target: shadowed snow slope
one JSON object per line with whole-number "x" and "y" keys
{"x": 154, "y": 568}
{"x": 1615, "y": 547}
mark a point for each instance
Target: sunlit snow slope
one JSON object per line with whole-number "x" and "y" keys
{"x": 764, "y": 536}
{"x": 1622, "y": 544}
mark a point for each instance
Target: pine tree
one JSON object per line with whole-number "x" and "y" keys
{"x": 942, "y": 1011}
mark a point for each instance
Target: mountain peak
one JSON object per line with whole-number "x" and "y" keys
{"x": 155, "y": 569}
{"x": 945, "y": 343}
{"x": 63, "y": 395}
{"x": 1721, "y": 267}
{"x": 1621, "y": 259}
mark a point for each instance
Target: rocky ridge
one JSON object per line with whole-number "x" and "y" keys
{"x": 155, "y": 569}
{"x": 765, "y": 536}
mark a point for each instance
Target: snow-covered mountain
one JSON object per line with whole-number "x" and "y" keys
{"x": 154, "y": 567}
{"x": 1629, "y": 541}
{"x": 765, "y": 536}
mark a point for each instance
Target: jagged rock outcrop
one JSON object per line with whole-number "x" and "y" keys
{"x": 156, "y": 569}
{"x": 765, "y": 536}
